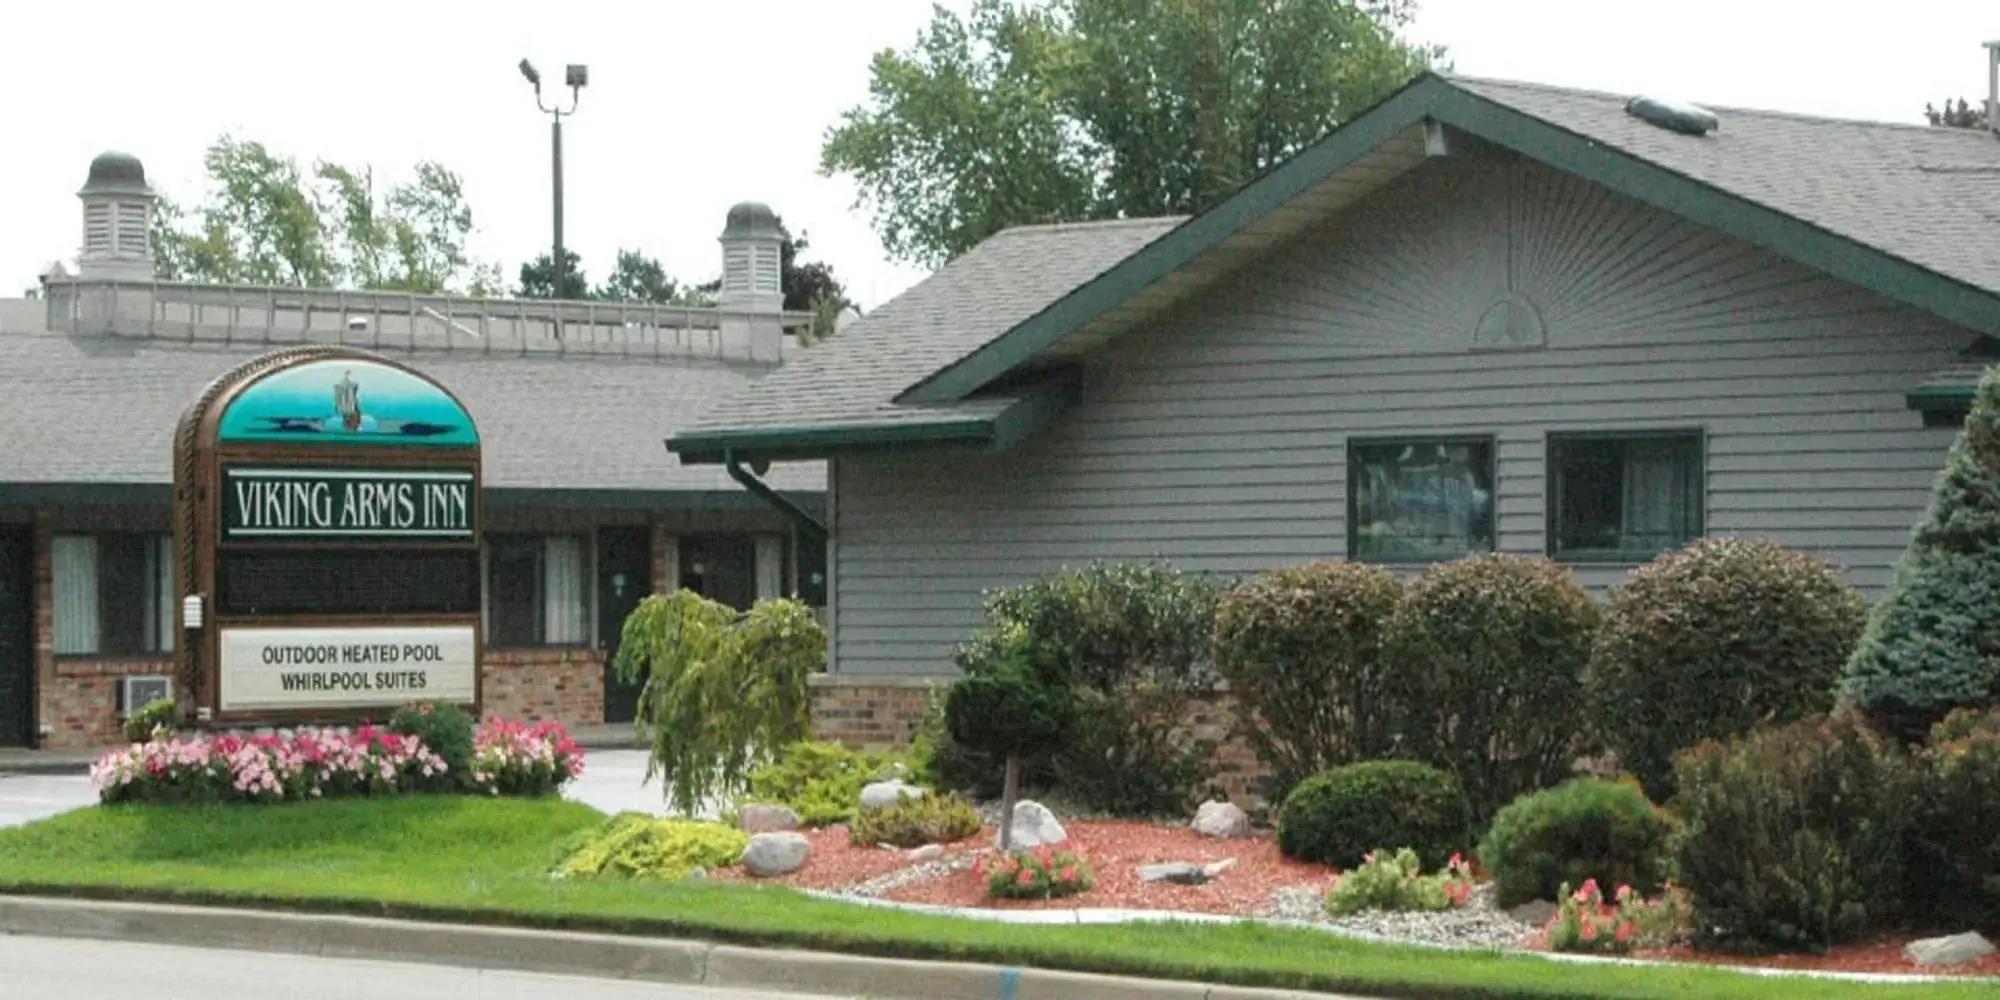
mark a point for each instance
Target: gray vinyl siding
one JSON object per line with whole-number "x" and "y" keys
{"x": 1217, "y": 437}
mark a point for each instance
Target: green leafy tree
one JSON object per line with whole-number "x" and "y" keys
{"x": 638, "y": 278}
{"x": 1957, "y": 114}
{"x": 1933, "y": 644}
{"x": 1027, "y": 111}
{"x": 538, "y": 278}
{"x": 267, "y": 220}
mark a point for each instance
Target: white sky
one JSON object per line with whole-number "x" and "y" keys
{"x": 693, "y": 106}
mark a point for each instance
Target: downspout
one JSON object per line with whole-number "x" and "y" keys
{"x": 806, "y": 522}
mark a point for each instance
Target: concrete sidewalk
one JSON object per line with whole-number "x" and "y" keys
{"x": 603, "y": 956}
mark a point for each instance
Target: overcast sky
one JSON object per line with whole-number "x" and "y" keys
{"x": 693, "y": 106}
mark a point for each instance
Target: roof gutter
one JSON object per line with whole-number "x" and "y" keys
{"x": 806, "y": 522}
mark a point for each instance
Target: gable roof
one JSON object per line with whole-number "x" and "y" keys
{"x": 1910, "y": 212}
{"x": 845, "y": 389}
{"x": 84, "y": 413}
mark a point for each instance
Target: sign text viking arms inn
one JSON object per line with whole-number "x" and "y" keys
{"x": 327, "y": 509}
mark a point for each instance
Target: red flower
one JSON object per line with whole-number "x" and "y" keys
{"x": 1069, "y": 874}
{"x": 1025, "y": 877}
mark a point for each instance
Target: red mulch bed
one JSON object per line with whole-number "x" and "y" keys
{"x": 1881, "y": 956}
{"x": 1116, "y": 849}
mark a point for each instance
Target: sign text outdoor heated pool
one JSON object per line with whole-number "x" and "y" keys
{"x": 278, "y": 504}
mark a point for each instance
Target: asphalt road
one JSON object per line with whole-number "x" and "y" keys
{"x": 112, "y": 970}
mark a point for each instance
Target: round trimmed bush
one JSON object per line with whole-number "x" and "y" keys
{"x": 1582, "y": 829}
{"x": 1336, "y": 817}
{"x": 1955, "y": 862}
{"x": 1494, "y": 649}
{"x": 1302, "y": 650}
{"x": 1709, "y": 641}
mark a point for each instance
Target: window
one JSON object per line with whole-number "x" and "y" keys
{"x": 114, "y": 594}
{"x": 1623, "y": 497}
{"x": 536, "y": 591}
{"x": 1419, "y": 501}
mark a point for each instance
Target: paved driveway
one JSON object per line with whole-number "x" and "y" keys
{"x": 611, "y": 783}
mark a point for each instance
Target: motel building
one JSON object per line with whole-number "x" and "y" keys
{"x": 283, "y": 504}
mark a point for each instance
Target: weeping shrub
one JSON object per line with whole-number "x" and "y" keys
{"x": 1706, "y": 642}
{"x": 1494, "y": 649}
{"x": 1303, "y": 651}
{"x": 723, "y": 690}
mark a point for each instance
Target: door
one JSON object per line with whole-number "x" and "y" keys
{"x": 624, "y": 577}
{"x": 17, "y": 639}
{"x": 721, "y": 568}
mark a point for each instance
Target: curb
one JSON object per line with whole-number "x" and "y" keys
{"x": 598, "y": 956}
{"x": 45, "y": 767}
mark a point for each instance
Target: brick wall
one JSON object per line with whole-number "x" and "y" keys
{"x": 880, "y": 713}
{"x": 539, "y": 685}
{"x": 83, "y": 700}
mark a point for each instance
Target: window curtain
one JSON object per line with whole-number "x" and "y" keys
{"x": 160, "y": 609}
{"x": 73, "y": 560}
{"x": 1658, "y": 493}
{"x": 564, "y": 612}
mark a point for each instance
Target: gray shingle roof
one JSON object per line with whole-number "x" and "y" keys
{"x": 102, "y": 409}
{"x": 1928, "y": 195}
{"x": 978, "y": 296}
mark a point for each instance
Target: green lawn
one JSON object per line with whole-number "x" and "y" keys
{"x": 482, "y": 861}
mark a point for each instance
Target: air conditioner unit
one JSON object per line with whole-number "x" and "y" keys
{"x": 135, "y": 693}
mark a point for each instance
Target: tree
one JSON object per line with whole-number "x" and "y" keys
{"x": 265, "y": 220}
{"x": 1933, "y": 644}
{"x": 1957, "y": 114}
{"x": 1019, "y": 710}
{"x": 1032, "y": 111}
{"x": 538, "y": 278}
{"x": 637, "y": 278}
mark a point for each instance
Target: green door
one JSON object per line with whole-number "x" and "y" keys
{"x": 17, "y": 638}
{"x": 624, "y": 577}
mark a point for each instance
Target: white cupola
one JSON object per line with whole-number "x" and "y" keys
{"x": 752, "y": 261}
{"x": 117, "y": 220}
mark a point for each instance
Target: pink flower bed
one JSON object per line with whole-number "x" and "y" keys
{"x": 310, "y": 763}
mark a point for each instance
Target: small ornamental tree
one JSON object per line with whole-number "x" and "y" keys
{"x": 724, "y": 690}
{"x": 1933, "y": 644}
{"x": 1018, "y": 710}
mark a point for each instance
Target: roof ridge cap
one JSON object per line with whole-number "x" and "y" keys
{"x": 1733, "y": 109}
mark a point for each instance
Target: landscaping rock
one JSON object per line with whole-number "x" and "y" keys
{"x": 1957, "y": 949}
{"x": 1534, "y": 913}
{"x": 927, "y": 853}
{"x": 768, "y": 819}
{"x": 1177, "y": 872}
{"x": 888, "y": 793}
{"x": 1218, "y": 867}
{"x": 1221, "y": 819}
{"x": 1034, "y": 826}
{"x": 773, "y": 854}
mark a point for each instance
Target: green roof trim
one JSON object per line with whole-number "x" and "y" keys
{"x": 1942, "y": 399}
{"x": 1014, "y": 423}
{"x": 1437, "y": 98}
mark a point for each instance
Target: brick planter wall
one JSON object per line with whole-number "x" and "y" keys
{"x": 82, "y": 701}
{"x": 541, "y": 685}
{"x": 880, "y": 713}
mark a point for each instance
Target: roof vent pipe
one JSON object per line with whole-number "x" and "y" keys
{"x": 1674, "y": 116}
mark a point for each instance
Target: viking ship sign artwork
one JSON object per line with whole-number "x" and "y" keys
{"x": 331, "y": 502}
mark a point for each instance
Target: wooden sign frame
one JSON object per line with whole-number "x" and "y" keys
{"x": 201, "y": 454}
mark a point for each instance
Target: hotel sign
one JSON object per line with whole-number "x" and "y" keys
{"x": 268, "y": 504}
{"x": 346, "y": 667}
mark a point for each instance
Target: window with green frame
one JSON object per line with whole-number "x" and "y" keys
{"x": 1624, "y": 497}
{"x": 1419, "y": 500}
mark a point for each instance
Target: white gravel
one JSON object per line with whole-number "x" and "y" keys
{"x": 1478, "y": 924}
{"x": 881, "y": 885}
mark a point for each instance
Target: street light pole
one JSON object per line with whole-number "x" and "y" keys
{"x": 575, "y": 76}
